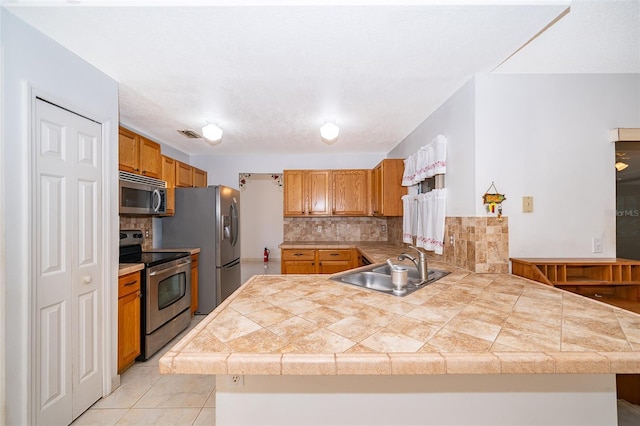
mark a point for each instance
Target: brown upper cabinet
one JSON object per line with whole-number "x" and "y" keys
{"x": 199, "y": 178}
{"x": 137, "y": 154}
{"x": 350, "y": 192}
{"x": 190, "y": 177}
{"x": 307, "y": 192}
{"x": 386, "y": 188}
{"x": 169, "y": 176}
{"x": 184, "y": 175}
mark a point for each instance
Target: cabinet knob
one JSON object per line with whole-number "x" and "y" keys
{"x": 87, "y": 279}
{"x": 137, "y": 170}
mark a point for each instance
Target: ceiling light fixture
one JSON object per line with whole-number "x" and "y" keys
{"x": 620, "y": 166}
{"x": 212, "y": 134}
{"x": 329, "y": 132}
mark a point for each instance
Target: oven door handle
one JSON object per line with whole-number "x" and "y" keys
{"x": 180, "y": 263}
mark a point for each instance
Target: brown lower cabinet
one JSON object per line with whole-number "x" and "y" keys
{"x": 194, "y": 283}
{"x": 128, "y": 320}
{"x": 317, "y": 261}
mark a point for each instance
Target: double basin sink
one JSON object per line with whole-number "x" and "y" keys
{"x": 378, "y": 278}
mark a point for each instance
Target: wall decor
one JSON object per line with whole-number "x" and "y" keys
{"x": 493, "y": 200}
{"x": 245, "y": 178}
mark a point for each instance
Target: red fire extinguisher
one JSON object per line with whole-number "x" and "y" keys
{"x": 266, "y": 254}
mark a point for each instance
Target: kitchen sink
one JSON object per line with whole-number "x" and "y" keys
{"x": 378, "y": 278}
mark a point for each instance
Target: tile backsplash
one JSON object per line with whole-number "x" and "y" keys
{"x": 145, "y": 224}
{"x": 480, "y": 244}
{"x": 336, "y": 229}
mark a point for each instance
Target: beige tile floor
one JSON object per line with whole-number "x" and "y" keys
{"x": 145, "y": 397}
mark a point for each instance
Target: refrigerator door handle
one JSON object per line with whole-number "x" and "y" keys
{"x": 231, "y": 264}
{"x": 234, "y": 223}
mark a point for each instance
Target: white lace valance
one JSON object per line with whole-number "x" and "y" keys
{"x": 430, "y": 160}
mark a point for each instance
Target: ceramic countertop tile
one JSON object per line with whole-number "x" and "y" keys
{"x": 465, "y": 323}
{"x": 128, "y": 268}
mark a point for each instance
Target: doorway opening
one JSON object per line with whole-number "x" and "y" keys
{"x": 261, "y": 200}
{"x": 628, "y": 200}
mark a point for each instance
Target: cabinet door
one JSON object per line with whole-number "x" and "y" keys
{"x": 294, "y": 192}
{"x": 298, "y": 267}
{"x": 333, "y": 261}
{"x": 199, "y": 178}
{"x": 128, "y": 153}
{"x": 333, "y": 266}
{"x": 388, "y": 189}
{"x": 169, "y": 176}
{"x": 194, "y": 283}
{"x": 183, "y": 175}
{"x": 298, "y": 261}
{"x": 150, "y": 158}
{"x": 128, "y": 329}
{"x": 318, "y": 192}
{"x": 350, "y": 192}
{"x": 376, "y": 191}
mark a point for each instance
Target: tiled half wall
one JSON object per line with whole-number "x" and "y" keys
{"x": 480, "y": 244}
{"x": 335, "y": 229}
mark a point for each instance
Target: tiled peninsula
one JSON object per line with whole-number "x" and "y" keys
{"x": 467, "y": 349}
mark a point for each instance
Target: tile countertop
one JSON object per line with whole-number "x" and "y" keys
{"x": 465, "y": 323}
{"x": 129, "y": 268}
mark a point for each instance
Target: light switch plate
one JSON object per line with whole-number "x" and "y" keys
{"x": 527, "y": 204}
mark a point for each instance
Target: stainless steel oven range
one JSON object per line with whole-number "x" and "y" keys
{"x": 166, "y": 291}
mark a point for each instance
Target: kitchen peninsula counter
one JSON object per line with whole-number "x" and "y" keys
{"x": 497, "y": 326}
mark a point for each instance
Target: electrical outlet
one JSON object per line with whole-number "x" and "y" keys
{"x": 319, "y": 228}
{"x": 236, "y": 380}
{"x": 527, "y": 204}
{"x": 146, "y": 233}
{"x": 384, "y": 228}
{"x": 596, "y": 244}
{"x": 452, "y": 240}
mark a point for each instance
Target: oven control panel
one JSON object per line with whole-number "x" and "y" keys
{"x": 129, "y": 237}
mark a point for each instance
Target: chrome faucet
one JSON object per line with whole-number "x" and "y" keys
{"x": 420, "y": 262}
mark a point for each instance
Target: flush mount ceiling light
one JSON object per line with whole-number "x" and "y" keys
{"x": 329, "y": 132}
{"x": 620, "y": 166}
{"x": 212, "y": 134}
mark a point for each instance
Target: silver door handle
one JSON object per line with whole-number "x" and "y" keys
{"x": 157, "y": 200}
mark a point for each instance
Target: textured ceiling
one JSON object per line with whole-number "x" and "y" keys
{"x": 271, "y": 75}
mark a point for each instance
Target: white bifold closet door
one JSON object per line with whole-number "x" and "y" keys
{"x": 67, "y": 222}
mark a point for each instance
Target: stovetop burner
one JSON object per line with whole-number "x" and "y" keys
{"x": 152, "y": 258}
{"x": 131, "y": 251}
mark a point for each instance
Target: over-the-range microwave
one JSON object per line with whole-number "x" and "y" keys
{"x": 141, "y": 195}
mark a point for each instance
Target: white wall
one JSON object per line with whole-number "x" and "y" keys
{"x": 446, "y": 399}
{"x": 261, "y": 202}
{"x": 456, "y": 120}
{"x": 539, "y": 135}
{"x": 547, "y": 136}
{"x": 3, "y": 297}
{"x": 225, "y": 169}
{"x": 32, "y": 61}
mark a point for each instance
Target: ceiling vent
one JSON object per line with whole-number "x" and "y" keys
{"x": 188, "y": 133}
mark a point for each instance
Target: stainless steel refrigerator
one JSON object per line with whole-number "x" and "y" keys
{"x": 208, "y": 218}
